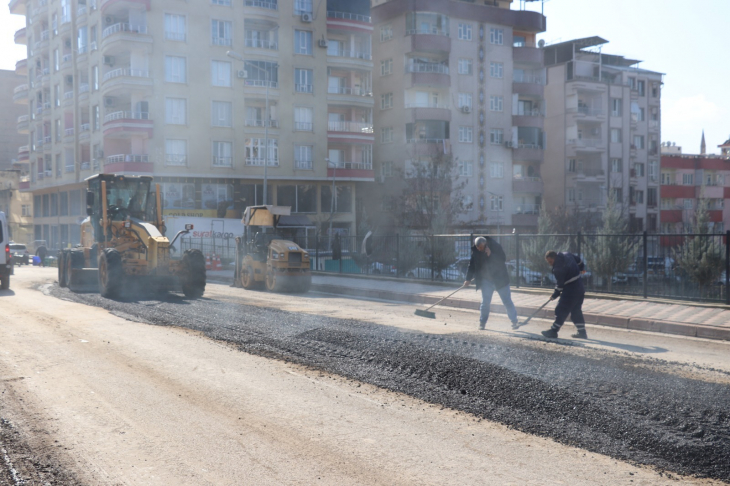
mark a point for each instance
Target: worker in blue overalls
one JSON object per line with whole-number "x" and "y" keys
{"x": 567, "y": 269}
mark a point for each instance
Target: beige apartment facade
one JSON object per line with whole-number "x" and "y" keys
{"x": 179, "y": 91}
{"x": 464, "y": 80}
{"x": 603, "y": 125}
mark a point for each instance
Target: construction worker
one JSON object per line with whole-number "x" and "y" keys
{"x": 567, "y": 269}
{"x": 487, "y": 266}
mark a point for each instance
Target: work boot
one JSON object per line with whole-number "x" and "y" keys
{"x": 482, "y": 325}
{"x": 581, "y": 334}
{"x": 550, "y": 333}
{"x": 515, "y": 324}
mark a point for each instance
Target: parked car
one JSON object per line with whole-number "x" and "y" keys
{"x": 378, "y": 268}
{"x": 20, "y": 254}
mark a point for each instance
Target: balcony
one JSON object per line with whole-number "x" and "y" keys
{"x": 428, "y": 74}
{"x": 592, "y": 173}
{"x": 128, "y": 163}
{"x": 21, "y": 37}
{"x": 525, "y": 214}
{"x": 23, "y": 153}
{"x": 352, "y": 171}
{"x": 124, "y": 4}
{"x": 529, "y": 185}
{"x": 346, "y": 21}
{"x": 262, "y": 44}
{"x": 529, "y": 55}
{"x": 257, "y": 122}
{"x": 20, "y": 94}
{"x": 68, "y": 169}
{"x": 17, "y": 7}
{"x": 22, "y": 124}
{"x": 586, "y": 113}
{"x": 349, "y": 57}
{"x": 128, "y": 124}
{"x": 350, "y": 132}
{"x": 260, "y": 162}
{"x": 528, "y": 118}
{"x": 267, "y": 7}
{"x": 587, "y": 144}
{"x": 348, "y": 95}
{"x": 429, "y": 40}
{"x": 126, "y": 79}
{"x": 122, "y": 37}
{"x": 21, "y": 67}
{"x": 427, "y": 111}
{"x": 526, "y": 88}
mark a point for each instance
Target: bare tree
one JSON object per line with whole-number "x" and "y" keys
{"x": 534, "y": 247}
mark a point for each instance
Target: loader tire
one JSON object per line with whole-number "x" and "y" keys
{"x": 275, "y": 282}
{"x": 5, "y": 281}
{"x": 193, "y": 279}
{"x": 73, "y": 259}
{"x": 111, "y": 274}
{"x": 247, "y": 278}
{"x": 62, "y": 276}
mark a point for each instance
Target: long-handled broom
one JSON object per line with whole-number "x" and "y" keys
{"x": 431, "y": 315}
{"x": 520, "y": 324}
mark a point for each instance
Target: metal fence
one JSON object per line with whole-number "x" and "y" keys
{"x": 678, "y": 266}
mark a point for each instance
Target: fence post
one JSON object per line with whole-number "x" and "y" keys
{"x": 517, "y": 258}
{"x": 646, "y": 261}
{"x": 432, "y": 259}
{"x": 397, "y": 255}
{"x": 727, "y": 267}
{"x": 580, "y": 244}
{"x": 316, "y": 250}
{"x": 348, "y": 252}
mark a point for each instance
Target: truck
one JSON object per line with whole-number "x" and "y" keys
{"x": 123, "y": 243}
{"x": 265, "y": 258}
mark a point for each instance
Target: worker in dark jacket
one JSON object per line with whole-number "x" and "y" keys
{"x": 567, "y": 269}
{"x": 487, "y": 267}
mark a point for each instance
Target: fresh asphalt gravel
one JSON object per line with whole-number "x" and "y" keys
{"x": 608, "y": 402}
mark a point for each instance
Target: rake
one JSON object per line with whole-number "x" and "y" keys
{"x": 431, "y": 315}
{"x": 519, "y": 325}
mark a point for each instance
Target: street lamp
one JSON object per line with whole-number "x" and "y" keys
{"x": 333, "y": 200}
{"x": 267, "y": 118}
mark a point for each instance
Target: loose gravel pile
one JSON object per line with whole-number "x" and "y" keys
{"x": 608, "y": 403}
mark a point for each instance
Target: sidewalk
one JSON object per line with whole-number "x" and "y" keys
{"x": 710, "y": 321}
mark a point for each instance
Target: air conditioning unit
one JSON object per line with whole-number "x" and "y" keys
{"x": 466, "y": 109}
{"x": 243, "y": 74}
{"x": 108, "y": 101}
{"x": 108, "y": 20}
{"x": 69, "y": 79}
{"x": 306, "y": 17}
{"x": 109, "y": 60}
{"x": 322, "y": 43}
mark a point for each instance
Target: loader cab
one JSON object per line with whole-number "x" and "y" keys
{"x": 126, "y": 196}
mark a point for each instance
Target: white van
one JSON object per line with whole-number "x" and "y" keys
{"x": 6, "y": 258}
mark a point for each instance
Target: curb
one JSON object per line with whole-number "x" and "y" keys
{"x": 621, "y": 322}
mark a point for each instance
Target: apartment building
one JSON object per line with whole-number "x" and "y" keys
{"x": 688, "y": 179}
{"x": 604, "y": 129}
{"x": 16, "y": 205}
{"x": 13, "y": 120}
{"x": 211, "y": 98}
{"x": 464, "y": 79}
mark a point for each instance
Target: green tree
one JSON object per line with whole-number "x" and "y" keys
{"x": 612, "y": 250}
{"x": 700, "y": 257}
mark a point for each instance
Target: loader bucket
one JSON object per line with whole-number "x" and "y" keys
{"x": 84, "y": 280}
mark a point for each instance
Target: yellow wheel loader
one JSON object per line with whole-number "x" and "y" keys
{"x": 123, "y": 243}
{"x": 265, "y": 259}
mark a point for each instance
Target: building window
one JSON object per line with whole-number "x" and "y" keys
{"x": 571, "y": 194}
{"x": 496, "y": 103}
{"x": 616, "y": 105}
{"x": 175, "y": 29}
{"x": 303, "y": 117}
{"x": 668, "y": 203}
{"x": 386, "y": 169}
{"x": 465, "y": 134}
{"x": 175, "y": 69}
{"x": 303, "y": 80}
{"x": 615, "y": 135}
{"x": 386, "y": 134}
{"x": 176, "y": 152}
{"x": 221, "y": 114}
{"x": 176, "y": 111}
{"x": 386, "y": 67}
{"x": 641, "y": 87}
{"x": 96, "y": 113}
{"x": 221, "y": 73}
{"x": 618, "y": 194}
{"x": 616, "y": 165}
{"x": 572, "y": 165}
{"x": 496, "y": 136}
{"x": 255, "y": 154}
{"x": 57, "y": 94}
{"x": 25, "y": 210}
{"x": 496, "y": 170}
{"x": 496, "y": 69}
{"x": 496, "y": 202}
{"x": 303, "y": 42}
{"x": 386, "y": 101}
{"x": 222, "y": 154}
{"x": 687, "y": 203}
{"x": 688, "y": 179}
{"x": 465, "y": 100}
{"x": 224, "y": 3}
{"x": 638, "y": 142}
{"x": 653, "y": 169}
{"x": 303, "y": 157}
{"x": 639, "y": 197}
{"x": 464, "y": 31}
{"x": 95, "y": 78}
{"x": 466, "y": 168}
{"x": 303, "y": 7}
{"x": 465, "y": 66}
{"x": 639, "y": 169}
{"x": 386, "y": 32}
{"x": 496, "y": 36}
{"x": 222, "y": 32}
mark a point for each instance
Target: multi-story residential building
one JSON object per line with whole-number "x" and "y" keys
{"x": 686, "y": 180}
{"x": 13, "y": 120}
{"x": 180, "y": 91}
{"x": 463, "y": 79}
{"x": 17, "y": 206}
{"x": 603, "y": 129}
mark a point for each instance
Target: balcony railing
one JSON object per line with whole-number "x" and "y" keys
{"x": 262, "y": 44}
{"x": 134, "y": 73}
{"x": 304, "y": 88}
{"x": 85, "y": 127}
{"x": 222, "y": 41}
{"x": 258, "y": 161}
{"x": 332, "y": 14}
{"x": 20, "y": 88}
{"x": 350, "y": 126}
{"x": 586, "y": 142}
{"x": 527, "y": 209}
{"x": 176, "y": 159}
{"x": 366, "y": 56}
{"x": 353, "y": 165}
{"x": 431, "y": 29}
{"x": 70, "y": 168}
{"x": 222, "y": 161}
{"x": 427, "y": 140}
{"x": 175, "y": 36}
{"x": 530, "y": 113}
{"x": 81, "y": 10}
{"x": 261, "y": 83}
{"x": 588, "y": 111}
{"x": 69, "y": 132}
{"x": 303, "y": 126}
{"x": 424, "y": 67}
{"x": 127, "y": 115}
{"x": 303, "y": 164}
{"x": 68, "y": 95}
{"x": 115, "y": 159}
{"x": 66, "y": 58}
{"x": 255, "y": 122}
{"x": 83, "y": 88}
{"x": 123, "y": 27}
{"x": 343, "y": 90}
{"x": 528, "y": 78}
{"x": 270, "y": 4}
{"x": 427, "y": 104}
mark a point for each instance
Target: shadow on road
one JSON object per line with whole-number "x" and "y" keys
{"x": 582, "y": 342}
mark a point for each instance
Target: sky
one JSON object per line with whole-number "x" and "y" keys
{"x": 685, "y": 40}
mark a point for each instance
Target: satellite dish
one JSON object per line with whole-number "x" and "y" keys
{"x": 541, "y": 43}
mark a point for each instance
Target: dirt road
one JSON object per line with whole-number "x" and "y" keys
{"x": 91, "y": 397}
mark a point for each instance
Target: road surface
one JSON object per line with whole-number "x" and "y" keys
{"x": 255, "y": 388}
